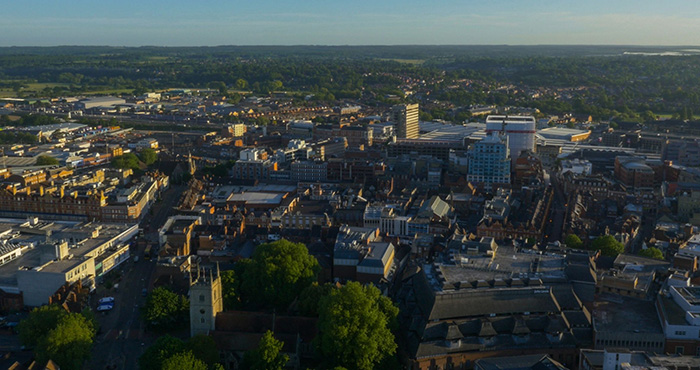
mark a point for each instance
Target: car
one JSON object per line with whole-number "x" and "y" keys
{"x": 106, "y": 300}
{"x": 105, "y": 307}
{"x": 144, "y": 292}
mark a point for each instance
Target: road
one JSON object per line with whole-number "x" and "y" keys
{"x": 122, "y": 338}
{"x": 557, "y": 214}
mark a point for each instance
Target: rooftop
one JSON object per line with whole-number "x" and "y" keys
{"x": 620, "y": 314}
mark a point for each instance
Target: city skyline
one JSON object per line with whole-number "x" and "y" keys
{"x": 177, "y": 23}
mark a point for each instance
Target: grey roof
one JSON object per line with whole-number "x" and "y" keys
{"x": 526, "y": 362}
{"x": 474, "y": 303}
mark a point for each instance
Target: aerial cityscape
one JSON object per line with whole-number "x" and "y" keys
{"x": 350, "y": 186}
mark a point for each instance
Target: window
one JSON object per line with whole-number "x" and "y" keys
{"x": 201, "y": 297}
{"x": 680, "y": 332}
{"x": 679, "y": 350}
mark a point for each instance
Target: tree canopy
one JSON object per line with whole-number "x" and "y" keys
{"x": 184, "y": 361}
{"x": 46, "y": 160}
{"x": 160, "y": 355}
{"x": 277, "y": 273}
{"x": 652, "y": 252}
{"x": 57, "y": 335}
{"x": 148, "y": 156}
{"x": 165, "y": 309}
{"x": 126, "y": 161}
{"x": 267, "y": 356}
{"x": 354, "y": 327}
{"x": 608, "y": 245}
{"x": 573, "y": 241}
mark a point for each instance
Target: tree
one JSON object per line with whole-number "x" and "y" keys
{"x": 354, "y": 327}
{"x": 204, "y": 348}
{"x": 278, "y": 272}
{"x": 148, "y": 156}
{"x": 165, "y": 309}
{"x": 267, "y": 356}
{"x": 45, "y": 160}
{"x": 230, "y": 287}
{"x": 184, "y": 361}
{"x": 608, "y": 245}
{"x": 573, "y": 241}
{"x": 166, "y": 347}
{"x": 310, "y": 298}
{"x": 39, "y": 322}
{"x": 69, "y": 344}
{"x": 652, "y": 252}
{"x": 126, "y": 161}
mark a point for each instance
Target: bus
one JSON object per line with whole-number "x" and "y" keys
{"x": 147, "y": 252}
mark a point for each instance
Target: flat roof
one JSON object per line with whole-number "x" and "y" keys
{"x": 621, "y": 314}
{"x": 252, "y": 197}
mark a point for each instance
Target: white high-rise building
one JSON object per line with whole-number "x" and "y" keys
{"x": 519, "y": 129}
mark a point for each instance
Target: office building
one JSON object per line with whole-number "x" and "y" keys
{"x": 405, "y": 118}
{"x": 489, "y": 161}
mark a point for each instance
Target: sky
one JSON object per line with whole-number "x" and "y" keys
{"x": 348, "y": 22}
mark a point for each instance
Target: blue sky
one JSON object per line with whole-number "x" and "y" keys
{"x": 349, "y": 22}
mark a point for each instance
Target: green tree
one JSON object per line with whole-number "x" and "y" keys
{"x": 69, "y": 344}
{"x": 573, "y": 241}
{"x": 148, "y": 156}
{"x": 230, "y": 287}
{"x": 126, "y": 161}
{"x": 164, "y": 347}
{"x": 310, "y": 298}
{"x": 652, "y": 252}
{"x": 45, "y": 160}
{"x": 184, "y": 361}
{"x": 204, "y": 348}
{"x": 267, "y": 356}
{"x": 354, "y": 327}
{"x": 165, "y": 309}
{"x": 39, "y": 322}
{"x": 608, "y": 245}
{"x": 241, "y": 84}
{"x": 278, "y": 272}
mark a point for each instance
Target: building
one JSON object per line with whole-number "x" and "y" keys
{"x": 98, "y": 102}
{"x": 679, "y": 311}
{"x": 565, "y": 134}
{"x": 360, "y": 255}
{"x": 520, "y": 131}
{"x": 405, "y": 118}
{"x": 206, "y": 301}
{"x": 357, "y": 135}
{"x": 38, "y": 257}
{"x": 309, "y": 171}
{"x": 489, "y": 161}
{"x": 633, "y": 172}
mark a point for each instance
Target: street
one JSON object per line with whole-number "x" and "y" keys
{"x": 122, "y": 338}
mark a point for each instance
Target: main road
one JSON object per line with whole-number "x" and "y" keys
{"x": 122, "y": 337}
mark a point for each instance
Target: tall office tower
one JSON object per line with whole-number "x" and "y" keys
{"x": 519, "y": 129}
{"x": 405, "y": 117}
{"x": 488, "y": 160}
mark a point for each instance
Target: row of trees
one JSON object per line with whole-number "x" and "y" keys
{"x": 609, "y": 246}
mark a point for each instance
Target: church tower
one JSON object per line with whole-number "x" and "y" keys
{"x": 205, "y": 300}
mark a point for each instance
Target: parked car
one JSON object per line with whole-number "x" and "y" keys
{"x": 106, "y": 300}
{"x": 105, "y": 307}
